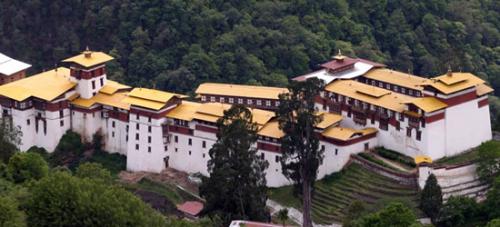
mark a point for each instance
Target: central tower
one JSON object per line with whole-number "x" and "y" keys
{"x": 88, "y": 70}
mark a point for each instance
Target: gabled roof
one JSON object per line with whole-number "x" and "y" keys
{"x": 238, "y": 90}
{"x": 111, "y": 87}
{"x": 9, "y": 66}
{"x": 185, "y": 111}
{"x": 95, "y": 58}
{"x": 151, "y": 94}
{"x": 114, "y": 100}
{"x": 345, "y": 134}
{"x": 398, "y": 78}
{"x": 47, "y": 85}
{"x": 428, "y": 104}
{"x": 191, "y": 207}
{"x": 360, "y": 91}
{"x": 328, "y": 119}
{"x": 271, "y": 129}
{"x": 483, "y": 89}
{"x": 211, "y": 112}
{"x": 454, "y": 82}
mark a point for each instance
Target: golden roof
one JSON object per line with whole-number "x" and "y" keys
{"x": 449, "y": 84}
{"x": 211, "y": 112}
{"x": 111, "y": 87}
{"x": 356, "y": 90}
{"x": 114, "y": 100}
{"x": 397, "y": 78}
{"x": 328, "y": 120}
{"x": 483, "y": 89}
{"x": 422, "y": 158}
{"x": 345, "y": 134}
{"x": 271, "y": 129}
{"x": 428, "y": 104}
{"x": 47, "y": 85}
{"x": 95, "y": 58}
{"x": 185, "y": 111}
{"x": 151, "y": 94}
{"x": 240, "y": 90}
{"x": 144, "y": 103}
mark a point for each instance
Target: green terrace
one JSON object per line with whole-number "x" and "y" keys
{"x": 334, "y": 193}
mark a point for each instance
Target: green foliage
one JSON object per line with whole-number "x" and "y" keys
{"x": 458, "y": 211}
{"x": 180, "y": 43}
{"x": 41, "y": 151}
{"x": 489, "y": 160}
{"x": 300, "y": 151}
{"x": 10, "y": 215}
{"x": 64, "y": 200}
{"x": 355, "y": 211}
{"x": 97, "y": 141}
{"x": 431, "y": 198}
{"x": 494, "y": 223}
{"x": 492, "y": 202}
{"x": 68, "y": 151}
{"x": 395, "y": 156}
{"x": 394, "y": 214}
{"x": 283, "y": 216}
{"x": 115, "y": 163}
{"x": 27, "y": 166}
{"x": 236, "y": 188}
{"x": 10, "y": 138}
{"x": 93, "y": 171}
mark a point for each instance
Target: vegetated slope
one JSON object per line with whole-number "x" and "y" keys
{"x": 335, "y": 193}
{"x": 179, "y": 43}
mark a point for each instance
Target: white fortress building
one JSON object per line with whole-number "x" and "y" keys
{"x": 363, "y": 105}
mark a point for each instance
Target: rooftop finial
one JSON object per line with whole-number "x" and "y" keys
{"x": 87, "y": 53}
{"x": 339, "y": 56}
{"x": 449, "y": 73}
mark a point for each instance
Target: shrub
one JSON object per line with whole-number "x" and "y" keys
{"x": 68, "y": 151}
{"x": 93, "y": 171}
{"x": 27, "y": 166}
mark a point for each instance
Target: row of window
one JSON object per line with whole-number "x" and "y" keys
{"x": 393, "y": 87}
{"x": 257, "y": 102}
{"x": 190, "y": 142}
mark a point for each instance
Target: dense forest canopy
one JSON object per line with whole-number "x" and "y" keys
{"x": 176, "y": 44}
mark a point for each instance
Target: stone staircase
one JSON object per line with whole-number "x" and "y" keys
{"x": 460, "y": 181}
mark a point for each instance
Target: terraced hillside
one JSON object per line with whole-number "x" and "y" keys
{"x": 334, "y": 194}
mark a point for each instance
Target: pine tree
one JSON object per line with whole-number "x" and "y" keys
{"x": 431, "y": 198}
{"x": 301, "y": 153}
{"x": 236, "y": 188}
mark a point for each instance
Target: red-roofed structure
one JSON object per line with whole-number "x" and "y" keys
{"x": 191, "y": 208}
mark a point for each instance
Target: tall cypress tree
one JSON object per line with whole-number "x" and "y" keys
{"x": 301, "y": 153}
{"x": 236, "y": 188}
{"x": 431, "y": 198}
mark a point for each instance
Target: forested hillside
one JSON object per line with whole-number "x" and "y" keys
{"x": 180, "y": 43}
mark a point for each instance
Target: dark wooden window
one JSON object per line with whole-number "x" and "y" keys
{"x": 419, "y": 135}
{"x": 408, "y": 132}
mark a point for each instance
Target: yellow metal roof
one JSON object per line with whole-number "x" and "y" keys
{"x": 271, "y": 129}
{"x": 328, "y": 120}
{"x": 144, "y": 103}
{"x": 422, "y": 158}
{"x": 213, "y": 111}
{"x": 356, "y": 90}
{"x": 151, "y": 94}
{"x": 397, "y": 78}
{"x": 428, "y": 104}
{"x": 448, "y": 85}
{"x": 345, "y": 134}
{"x": 114, "y": 100}
{"x": 374, "y": 92}
{"x": 95, "y": 58}
{"x": 483, "y": 89}
{"x": 47, "y": 85}
{"x": 111, "y": 87}
{"x": 240, "y": 90}
{"x": 185, "y": 111}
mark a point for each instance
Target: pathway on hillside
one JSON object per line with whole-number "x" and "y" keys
{"x": 294, "y": 214}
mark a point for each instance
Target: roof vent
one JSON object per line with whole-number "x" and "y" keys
{"x": 87, "y": 53}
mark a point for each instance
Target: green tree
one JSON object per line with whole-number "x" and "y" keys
{"x": 283, "y": 216}
{"x": 10, "y": 215}
{"x": 493, "y": 200}
{"x": 68, "y": 150}
{"x": 394, "y": 214}
{"x": 355, "y": 211}
{"x": 10, "y": 138}
{"x": 301, "y": 153}
{"x": 94, "y": 171}
{"x": 27, "y": 166}
{"x": 489, "y": 161}
{"x": 458, "y": 211}
{"x": 494, "y": 223}
{"x": 64, "y": 200}
{"x": 431, "y": 198}
{"x": 236, "y": 188}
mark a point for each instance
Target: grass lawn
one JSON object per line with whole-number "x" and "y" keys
{"x": 284, "y": 196}
{"x": 468, "y": 156}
